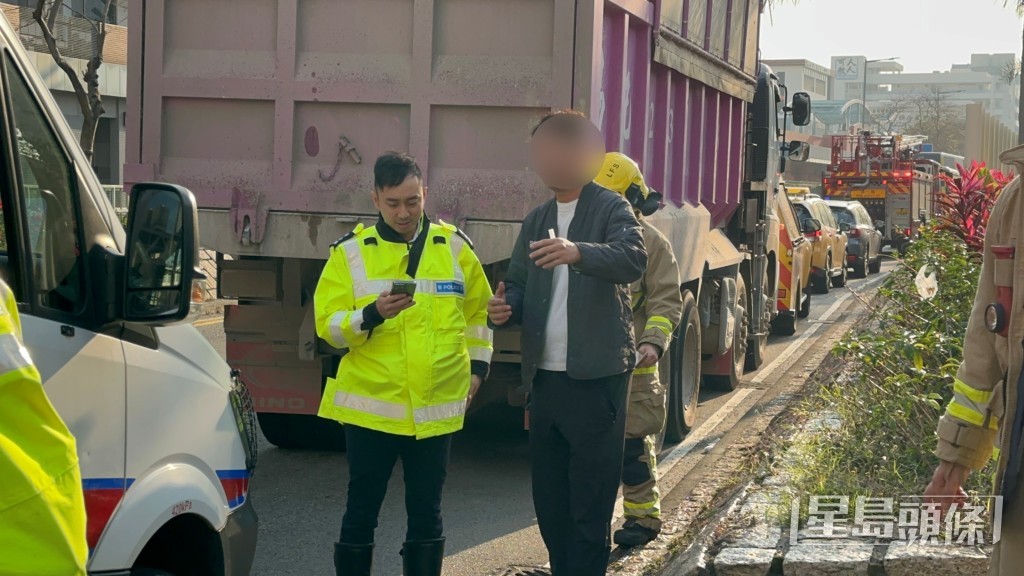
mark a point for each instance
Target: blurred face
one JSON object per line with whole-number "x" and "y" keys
{"x": 566, "y": 162}
{"x": 402, "y": 206}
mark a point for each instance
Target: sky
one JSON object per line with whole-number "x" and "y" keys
{"x": 926, "y": 35}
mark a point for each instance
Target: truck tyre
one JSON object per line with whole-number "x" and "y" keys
{"x": 680, "y": 371}
{"x": 840, "y": 281}
{"x": 738, "y": 351}
{"x": 823, "y": 281}
{"x": 876, "y": 266}
{"x": 757, "y": 346}
{"x": 302, "y": 431}
{"x": 805, "y": 303}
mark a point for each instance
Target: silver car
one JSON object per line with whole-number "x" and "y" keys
{"x": 864, "y": 249}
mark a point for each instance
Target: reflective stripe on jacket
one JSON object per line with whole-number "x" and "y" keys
{"x": 657, "y": 299}
{"x": 42, "y": 510}
{"x": 411, "y": 374}
{"x": 986, "y": 384}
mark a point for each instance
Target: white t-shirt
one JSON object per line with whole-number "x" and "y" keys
{"x": 556, "y": 343}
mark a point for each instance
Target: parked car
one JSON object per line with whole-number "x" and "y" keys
{"x": 794, "y": 299}
{"x": 864, "y": 248}
{"x": 828, "y": 243}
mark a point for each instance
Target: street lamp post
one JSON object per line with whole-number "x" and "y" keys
{"x": 864, "y": 89}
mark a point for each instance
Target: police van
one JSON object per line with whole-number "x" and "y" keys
{"x": 165, "y": 432}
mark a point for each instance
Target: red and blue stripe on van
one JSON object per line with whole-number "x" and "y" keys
{"x": 102, "y": 496}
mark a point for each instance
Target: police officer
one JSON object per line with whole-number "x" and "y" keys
{"x": 987, "y": 410}
{"x": 42, "y": 510}
{"x": 657, "y": 308}
{"x": 408, "y": 299}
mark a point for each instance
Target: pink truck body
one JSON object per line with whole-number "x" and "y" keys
{"x": 272, "y": 112}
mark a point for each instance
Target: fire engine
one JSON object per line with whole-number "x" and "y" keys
{"x": 880, "y": 172}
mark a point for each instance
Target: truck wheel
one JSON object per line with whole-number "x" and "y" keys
{"x": 681, "y": 372}
{"x": 757, "y": 346}
{"x": 805, "y": 304}
{"x": 302, "y": 431}
{"x": 823, "y": 281}
{"x": 840, "y": 281}
{"x": 876, "y": 266}
{"x": 738, "y": 351}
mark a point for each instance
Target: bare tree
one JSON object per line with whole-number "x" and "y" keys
{"x": 942, "y": 121}
{"x": 1019, "y": 6}
{"x": 87, "y": 88}
{"x": 894, "y": 115}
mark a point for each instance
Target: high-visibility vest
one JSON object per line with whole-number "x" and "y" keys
{"x": 42, "y": 511}
{"x": 411, "y": 375}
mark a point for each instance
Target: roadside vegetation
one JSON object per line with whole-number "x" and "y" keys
{"x": 897, "y": 369}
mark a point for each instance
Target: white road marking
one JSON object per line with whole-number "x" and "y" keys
{"x": 701, "y": 433}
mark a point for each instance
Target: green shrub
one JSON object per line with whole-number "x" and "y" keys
{"x": 898, "y": 378}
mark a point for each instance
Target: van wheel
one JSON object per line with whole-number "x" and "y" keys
{"x": 681, "y": 372}
{"x": 840, "y": 281}
{"x": 738, "y": 351}
{"x": 823, "y": 281}
{"x": 805, "y": 304}
{"x": 876, "y": 266}
{"x": 302, "y": 431}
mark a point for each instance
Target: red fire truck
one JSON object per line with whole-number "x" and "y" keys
{"x": 880, "y": 173}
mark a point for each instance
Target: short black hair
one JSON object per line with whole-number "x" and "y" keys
{"x": 567, "y": 123}
{"x": 392, "y": 168}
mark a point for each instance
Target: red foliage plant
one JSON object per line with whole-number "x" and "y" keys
{"x": 964, "y": 203}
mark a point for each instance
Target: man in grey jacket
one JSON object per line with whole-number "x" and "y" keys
{"x": 567, "y": 287}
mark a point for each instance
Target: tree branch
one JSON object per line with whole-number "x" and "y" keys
{"x": 58, "y": 58}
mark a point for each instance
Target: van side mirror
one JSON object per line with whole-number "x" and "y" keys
{"x": 880, "y": 225}
{"x": 162, "y": 253}
{"x": 801, "y": 109}
{"x": 798, "y": 151}
{"x": 844, "y": 227}
{"x": 811, "y": 225}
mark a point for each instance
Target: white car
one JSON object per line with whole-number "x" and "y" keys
{"x": 165, "y": 434}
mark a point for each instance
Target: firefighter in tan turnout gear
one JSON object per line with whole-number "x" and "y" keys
{"x": 986, "y": 416}
{"x": 657, "y": 308}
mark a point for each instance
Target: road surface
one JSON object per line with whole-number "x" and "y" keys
{"x": 488, "y": 510}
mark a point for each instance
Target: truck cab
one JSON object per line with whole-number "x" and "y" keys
{"x": 165, "y": 435}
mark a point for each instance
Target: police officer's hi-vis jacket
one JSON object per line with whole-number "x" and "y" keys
{"x": 987, "y": 410}
{"x": 409, "y": 375}
{"x": 42, "y": 510}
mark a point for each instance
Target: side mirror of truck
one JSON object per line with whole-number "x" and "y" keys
{"x": 798, "y": 151}
{"x": 162, "y": 253}
{"x": 811, "y": 225}
{"x": 801, "y": 109}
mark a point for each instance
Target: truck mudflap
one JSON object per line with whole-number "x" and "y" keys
{"x": 238, "y": 539}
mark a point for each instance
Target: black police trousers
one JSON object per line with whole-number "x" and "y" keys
{"x": 371, "y": 459}
{"x": 577, "y": 430}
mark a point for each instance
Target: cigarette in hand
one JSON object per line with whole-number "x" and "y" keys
{"x": 551, "y": 233}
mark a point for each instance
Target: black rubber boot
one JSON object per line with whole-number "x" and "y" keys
{"x": 353, "y": 559}
{"x": 422, "y": 557}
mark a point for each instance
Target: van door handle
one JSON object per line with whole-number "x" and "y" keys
{"x": 67, "y": 331}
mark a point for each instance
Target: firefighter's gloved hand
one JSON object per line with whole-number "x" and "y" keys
{"x": 389, "y": 305}
{"x": 647, "y": 355}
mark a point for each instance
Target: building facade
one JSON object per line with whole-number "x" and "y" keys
{"x": 805, "y": 76}
{"x": 76, "y": 37}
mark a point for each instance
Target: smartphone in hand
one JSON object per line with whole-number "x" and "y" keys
{"x": 407, "y": 287}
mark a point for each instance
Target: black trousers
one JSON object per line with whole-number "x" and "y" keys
{"x": 577, "y": 429}
{"x": 371, "y": 459}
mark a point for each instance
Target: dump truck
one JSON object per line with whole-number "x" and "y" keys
{"x": 273, "y": 115}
